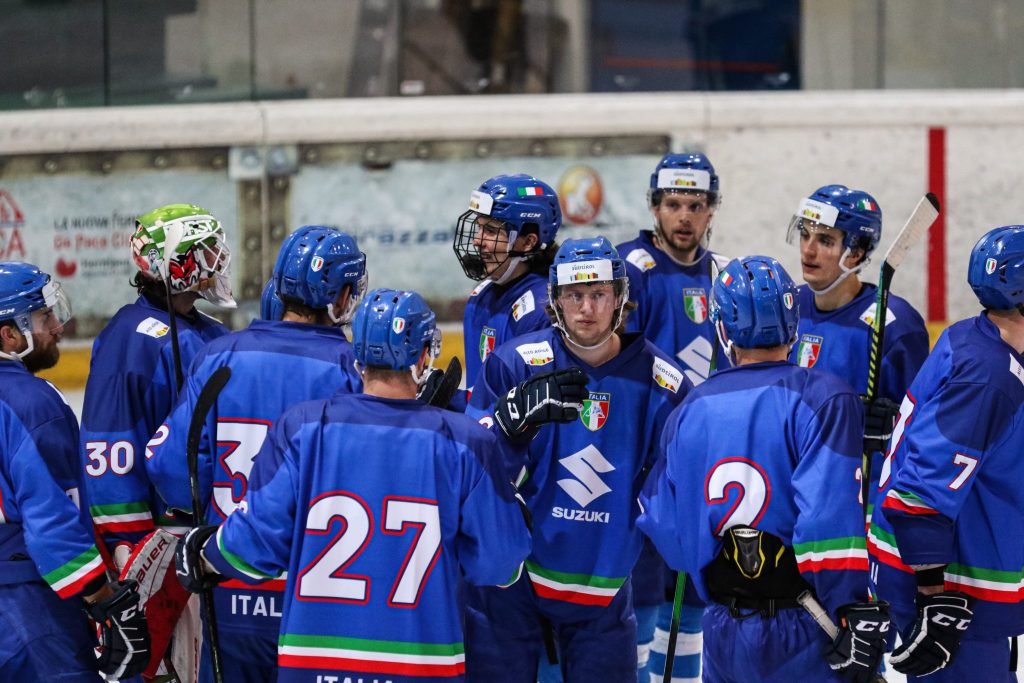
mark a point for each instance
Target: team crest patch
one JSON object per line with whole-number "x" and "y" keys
{"x": 595, "y": 410}
{"x": 667, "y": 376}
{"x": 787, "y": 300}
{"x": 695, "y": 303}
{"x": 487, "y": 336}
{"x": 808, "y": 350}
{"x": 523, "y": 305}
{"x": 539, "y": 353}
{"x": 398, "y": 324}
{"x": 990, "y": 266}
{"x": 868, "y": 316}
{"x": 152, "y": 327}
{"x": 316, "y": 264}
{"x": 641, "y": 258}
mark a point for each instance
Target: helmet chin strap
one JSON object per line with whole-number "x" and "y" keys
{"x": 847, "y": 272}
{"x": 16, "y": 355}
{"x": 513, "y": 262}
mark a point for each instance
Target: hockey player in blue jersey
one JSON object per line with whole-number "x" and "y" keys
{"x": 131, "y": 386}
{"x": 838, "y": 229}
{"x": 132, "y": 381}
{"x": 320, "y": 277}
{"x": 755, "y": 497}
{"x": 506, "y": 241}
{"x": 52, "y": 575}
{"x": 580, "y": 480}
{"x": 375, "y": 504}
{"x": 670, "y": 275}
{"x": 951, "y": 502}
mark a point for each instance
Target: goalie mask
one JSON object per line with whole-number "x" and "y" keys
{"x": 23, "y": 290}
{"x": 996, "y": 269}
{"x": 503, "y": 209}
{"x": 391, "y": 329}
{"x": 314, "y": 266}
{"x": 854, "y": 212}
{"x": 754, "y": 304}
{"x": 184, "y": 243}
{"x": 587, "y": 261}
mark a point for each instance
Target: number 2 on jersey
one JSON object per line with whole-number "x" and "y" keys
{"x": 748, "y": 482}
{"x": 327, "y": 576}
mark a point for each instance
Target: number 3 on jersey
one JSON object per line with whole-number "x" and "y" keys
{"x": 238, "y": 442}
{"x": 326, "y": 577}
{"x": 747, "y": 482}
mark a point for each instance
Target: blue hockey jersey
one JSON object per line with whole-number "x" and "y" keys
{"x": 495, "y": 314}
{"x": 672, "y": 303}
{"x": 130, "y": 390}
{"x": 952, "y": 480}
{"x": 274, "y": 365}
{"x": 374, "y": 507}
{"x": 582, "y": 478}
{"x": 772, "y": 446}
{"x": 45, "y": 530}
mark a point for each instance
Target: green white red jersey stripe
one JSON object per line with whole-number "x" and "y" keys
{"x": 986, "y": 584}
{"x": 70, "y": 578}
{"x": 122, "y": 517}
{"x": 581, "y": 589}
{"x": 907, "y": 502}
{"x": 389, "y": 657}
{"x": 882, "y": 546}
{"x": 849, "y": 553}
{"x": 277, "y": 584}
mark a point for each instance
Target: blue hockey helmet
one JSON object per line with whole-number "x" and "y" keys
{"x": 996, "y": 268}
{"x": 855, "y": 212}
{"x": 314, "y": 265}
{"x": 271, "y": 307}
{"x": 523, "y": 203}
{"x": 588, "y": 261}
{"x": 755, "y": 301}
{"x": 23, "y": 289}
{"x": 687, "y": 172}
{"x": 391, "y": 328}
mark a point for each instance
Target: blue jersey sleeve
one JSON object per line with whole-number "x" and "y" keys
{"x": 945, "y": 441}
{"x": 495, "y": 379}
{"x": 45, "y": 503}
{"x": 828, "y": 537}
{"x": 901, "y": 363}
{"x": 659, "y": 502}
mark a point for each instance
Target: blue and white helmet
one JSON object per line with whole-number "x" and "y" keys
{"x": 314, "y": 265}
{"x": 854, "y": 212}
{"x": 688, "y": 172}
{"x": 23, "y": 289}
{"x": 996, "y": 269}
{"x": 271, "y": 307}
{"x": 523, "y": 203}
{"x": 754, "y": 301}
{"x": 391, "y": 329}
{"x": 586, "y": 261}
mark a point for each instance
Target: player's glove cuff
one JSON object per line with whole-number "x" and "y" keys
{"x": 188, "y": 559}
{"x": 123, "y": 649}
{"x": 857, "y": 650}
{"x": 942, "y": 620}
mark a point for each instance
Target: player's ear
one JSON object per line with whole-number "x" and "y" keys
{"x": 856, "y": 256}
{"x": 10, "y": 337}
{"x": 341, "y": 303}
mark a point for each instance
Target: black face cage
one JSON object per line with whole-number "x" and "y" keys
{"x": 465, "y": 249}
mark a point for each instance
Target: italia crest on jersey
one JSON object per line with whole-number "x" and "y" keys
{"x": 595, "y": 410}
{"x": 695, "y": 303}
{"x": 487, "y": 336}
{"x": 807, "y": 352}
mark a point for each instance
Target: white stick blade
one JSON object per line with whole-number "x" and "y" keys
{"x": 924, "y": 214}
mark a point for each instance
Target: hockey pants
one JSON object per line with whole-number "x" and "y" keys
{"x": 504, "y": 642}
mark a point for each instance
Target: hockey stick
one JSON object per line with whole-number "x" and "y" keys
{"x": 924, "y": 214}
{"x": 207, "y": 397}
{"x": 449, "y": 384}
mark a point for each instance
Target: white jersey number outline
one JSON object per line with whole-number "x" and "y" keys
{"x": 325, "y": 577}
{"x": 753, "y": 491}
{"x": 906, "y": 415}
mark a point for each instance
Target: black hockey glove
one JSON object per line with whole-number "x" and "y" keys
{"x": 942, "y": 619}
{"x": 122, "y": 633}
{"x": 857, "y": 650}
{"x": 430, "y": 384}
{"x": 879, "y": 418}
{"x": 548, "y": 397}
{"x": 188, "y": 560}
